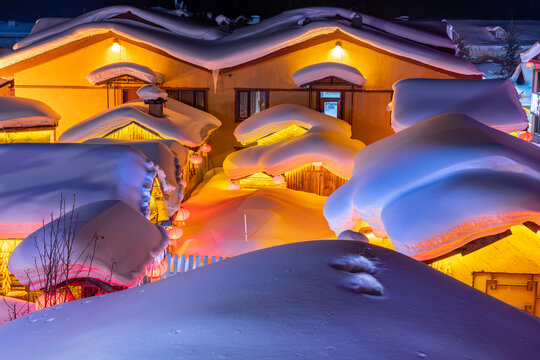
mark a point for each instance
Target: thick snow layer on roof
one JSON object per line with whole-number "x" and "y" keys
{"x": 493, "y": 102}
{"x": 216, "y": 225}
{"x": 45, "y": 23}
{"x": 111, "y": 71}
{"x": 125, "y": 242}
{"x": 186, "y": 124}
{"x": 326, "y": 69}
{"x": 34, "y": 176}
{"x": 440, "y": 184}
{"x": 286, "y": 302}
{"x": 477, "y": 32}
{"x": 281, "y": 116}
{"x": 11, "y": 309}
{"x": 531, "y": 52}
{"x": 16, "y": 112}
{"x": 151, "y": 92}
{"x": 219, "y": 51}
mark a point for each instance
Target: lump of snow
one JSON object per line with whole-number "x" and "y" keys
{"x": 353, "y": 264}
{"x": 151, "y": 92}
{"x": 125, "y": 242}
{"x": 323, "y": 70}
{"x": 364, "y": 284}
{"x": 34, "y": 176}
{"x": 186, "y": 124}
{"x": 493, "y": 102}
{"x": 16, "y": 112}
{"x": 440, "y": 184}
{"x": 110, "y": 71}
{"x": 11, "y": 309}
{"x": 281, "y": 291}
{"x": 352, "y": 235}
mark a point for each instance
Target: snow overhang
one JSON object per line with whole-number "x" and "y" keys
{"x": 111, "y": 71}
{"x": 25, "y": 113}
{"x": 324, "y": 70}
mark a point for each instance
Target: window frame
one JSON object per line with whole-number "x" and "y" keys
{"x": 194, "y": 90}
{"x": 237, "y": 102}
{"x": 341, "y": 112}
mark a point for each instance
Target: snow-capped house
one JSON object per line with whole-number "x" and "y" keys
{"x": 323, "y": 58}
{"x": 297, "y": 147}
{"x": 26, "y": 121}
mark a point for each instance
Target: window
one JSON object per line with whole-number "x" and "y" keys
{"x": 195, "y": 98}
{"x": 330, "y": 103}
{"x": 129, "y": 94}
{"x": 250, "y": 102}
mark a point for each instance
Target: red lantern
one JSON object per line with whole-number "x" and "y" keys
{"x": 157, "y": 268}
{"x": 182, "y": 214}
{"x": 196, "y": 159}
{"x": 175, "y": 232}
{"x": 525, "y": 135}
{"x": 531, "y": 65}
{"x": 206, "y": 149}
{"x": 278, "y": 179}
{"x": 234, "y": 186}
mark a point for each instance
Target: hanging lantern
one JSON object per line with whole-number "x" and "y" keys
{"x": 182, "y": 214}
{"x": 234, "y": 186}
{"x": 525, "y": 135}
{"x": 183, "y": 183}
{"x": 531, "y": 65}
{"x": 278, "y": 179}
{"x": 196, "y": 159}
{"x": 175, "y": 232}
{"x": 157, "y": 268}
{"x": 206, "y": 149}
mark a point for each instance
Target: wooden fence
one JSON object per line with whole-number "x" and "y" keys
{"x": 179, "y": 264}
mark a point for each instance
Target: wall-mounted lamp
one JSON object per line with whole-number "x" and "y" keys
{"x": 115, "y": 47}
{"x": 337, "y": 51}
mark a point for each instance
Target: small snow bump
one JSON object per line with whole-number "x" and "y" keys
{"x": 87, "y": 301}
{"x": 353, "y": 264}
{"x": 422, "y": 355}
{"x": 175, "y": 332}
{"x": 353, "y": 235}
{"x": 50, "y": 320}
{"x": 141, "y": 291}
{"x": 365, "y": 284}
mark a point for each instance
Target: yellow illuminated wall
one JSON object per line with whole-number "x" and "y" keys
{"x": 35, "y": 136}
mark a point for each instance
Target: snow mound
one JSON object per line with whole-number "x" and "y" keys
{"x": 352, "y": 235}
{"x": 365, "y": 284}
{"x": 16, "y": 112}
{"x": 353, "y": 264}
{"x": 125, "y": 243}
{"x": 114, "y": 70}
{"x": 181, "y": 122}
{"x": 11, "y": 308}
{"x": 327, "y": 141}
{"x": 216, "y": 225}
{"x": 228, "y": 310}
{"x": 151, "y": 92}
{"x": 493, "y": 102}
{"x": 326, "y": 69}
{"x": 34, "y": 177}
{"x": 440, "y": 184}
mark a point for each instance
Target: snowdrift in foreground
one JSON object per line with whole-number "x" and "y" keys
{"x": 440, "y": 184}
{"x": 125, "y": 243}
{"x": 16, "y": 112}
{"x": 286, "y": 302}
{"x": 216, "y": 225}
{"x": 11, "y": 308}
{"x": 327, "y": 141}
{"x": 493, "y": 102}
{"x": 181, "y": 122}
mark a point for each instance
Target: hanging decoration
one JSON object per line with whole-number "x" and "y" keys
{"x": 234, "y": 186}
{"x": 205, "y": 149}
{"x": 182, "y": 215}
{"x": 175, "y": 232}
{"x": 196, "y": 159}
{"x": 278, "y": 179}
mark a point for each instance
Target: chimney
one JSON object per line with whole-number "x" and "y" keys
{"x": 155, "y": 107}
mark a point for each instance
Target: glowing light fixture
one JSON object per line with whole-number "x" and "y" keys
{"x": 182, "y": 214}
{"x": 234, "y": 186}
{"x": 206, "y": 149}
{"x": 175, "y": 232}
{"x": 115, "y": 47}
{"x": 278, "y": 179}
{"x": 337, "y": 51}
{"x": 317, "y": 164}
{"x": 183, "y": 183}
{"x": 196, "y": 159}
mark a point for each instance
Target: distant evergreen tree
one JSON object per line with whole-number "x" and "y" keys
{"x": 462, "y": 47}
{"x": 510, "y": 58}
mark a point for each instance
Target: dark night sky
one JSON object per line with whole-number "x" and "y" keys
{"x": 30, "y": 10}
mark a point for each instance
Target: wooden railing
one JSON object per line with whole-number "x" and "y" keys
{"x": 182, "y": 263}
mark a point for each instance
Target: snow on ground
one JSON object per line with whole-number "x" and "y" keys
{"x": 327, "y": 141}
{"x": 11, "y": 308}
{"x": 286, "y": 302}
{"x": 323, "y": 70}
{"x": 111, "y": 71}
{"x": 493, "y": 102}
{"x": 16, "y": 112}
{"x": 216, "y": 225}
{"x": 210, "y": 48}
{"x": 112, "y": 242}
{"x": 181, "y": 122}
{"x": 34, "y": 176}
{"x": 440, "y": 184}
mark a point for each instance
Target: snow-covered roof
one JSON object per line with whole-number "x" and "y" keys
{"x": 286, "y": 302}
{"x": 207, "y": 47}
{"x": 181, "y": 122}
{"x": 326, "y": 69}
{"x": 151, "y": 92}
{"x": 440, "y": 184}
{"x": 493, "y": 102}
{"x": 327, "y": 140}
{"x": 281, "y": 116}
{"x": 483, "y": 32}
{"x": 531, "y": 52}
{"x": 114, "y": 70}
{"x": 35, "y": 176}
{"x": 125, "y": 243}
{"x": 16, "y": 112}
